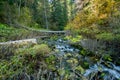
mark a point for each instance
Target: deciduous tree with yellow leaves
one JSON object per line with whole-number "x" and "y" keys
{"x": 97, "y": 19}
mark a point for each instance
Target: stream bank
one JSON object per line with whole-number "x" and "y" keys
{"x": 82, "y": 62}
{"x": 56, "y": 59}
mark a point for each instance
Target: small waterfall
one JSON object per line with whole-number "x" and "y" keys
{"x": 98, "y": 71}
{"x": 112, "y": 73}
{"x": 63, "y": 46}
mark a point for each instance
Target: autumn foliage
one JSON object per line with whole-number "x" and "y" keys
{"x": 97, "y": 18}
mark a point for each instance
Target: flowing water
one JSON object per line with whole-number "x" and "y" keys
{"x": 96, "y": 71}
{"x": 109, "y": 73}
{"x": 75, "y": 66}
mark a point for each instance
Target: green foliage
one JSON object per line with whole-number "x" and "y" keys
{"x": 105, "y": 36}
{"x": 80, "y": 69}
{"x": 108, "y": 36}
{"x": 59, "y": 14}
{"x": 55, "y": 13}
{"x": 50, "y": 61}
{"x": 25, "y": 60}
{"x": 72, "y": 61}
{"x": 9, "y": 68}
{"x": 9, "y": 33}
{"x": 42, "y": 50}
{"x": 74, "y": 39}
{"x": 25, "y": 17}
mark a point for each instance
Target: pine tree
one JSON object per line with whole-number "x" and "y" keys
{"x": 59, "y": 14}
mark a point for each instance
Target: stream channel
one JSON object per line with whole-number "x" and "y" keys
{"x": 71, "y": 60}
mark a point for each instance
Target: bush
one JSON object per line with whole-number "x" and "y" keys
{"x": 10, "y": 33}
{"x": 41, "y": 49}
{"x": 23, "y": 61}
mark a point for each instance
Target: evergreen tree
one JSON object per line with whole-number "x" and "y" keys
{"x": 59, "y": 14}
{"x": 41, "y": 12}
{"x": 65, "y": 13}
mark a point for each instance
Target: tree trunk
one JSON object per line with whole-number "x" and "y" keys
{"x": 46, "y": 20}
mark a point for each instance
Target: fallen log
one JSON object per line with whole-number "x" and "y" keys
{"x": 24, "y": 41}
{"x": 42, "y": 31}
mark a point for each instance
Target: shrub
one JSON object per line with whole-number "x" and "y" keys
{"x": 41, "y": 49}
